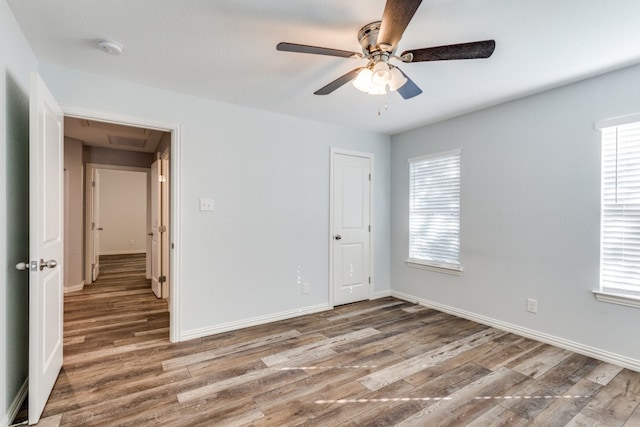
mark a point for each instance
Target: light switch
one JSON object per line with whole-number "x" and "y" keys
{"x": 206, "y": 204}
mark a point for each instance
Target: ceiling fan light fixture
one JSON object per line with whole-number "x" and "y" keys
{"x": 363, "y": 81}
{"x": 381, "y": 74}
{"x": 397, "y": 79}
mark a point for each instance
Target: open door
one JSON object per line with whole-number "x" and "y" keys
{"x": 46, "y": 245}
{"x": 94, "y": 214}
{"x": 156, "y": 224}
{"x": 164, "y": 208}
{"x": 159, "y": 227}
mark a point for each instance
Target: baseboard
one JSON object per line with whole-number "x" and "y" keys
{"x": 12, "y": 411}
{"x": 255, "y": 321}
{"x": 585, "y": 350}
{"x": 74, "y": 288}
{"x": 381, "y": 294}
{"x": 124, "y": 252}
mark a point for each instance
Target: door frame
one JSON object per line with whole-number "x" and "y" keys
{"x": 370, "y": 156}
{"x": 174, "y": 207}
{"x": 88, "y": 174}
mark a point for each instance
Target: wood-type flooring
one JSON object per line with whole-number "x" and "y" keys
{"x": 384, "y": 362}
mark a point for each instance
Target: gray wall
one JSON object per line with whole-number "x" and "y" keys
{"x": 529, "y": 215}
{"x": 269, "y": 177}
{"x": 16, "y": 62}
{"x": 74, "y": 212}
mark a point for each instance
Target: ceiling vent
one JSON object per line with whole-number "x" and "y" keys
{"x": 124, "y": 141}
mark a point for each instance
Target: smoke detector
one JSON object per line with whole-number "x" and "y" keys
{"x": 111, "y": 47}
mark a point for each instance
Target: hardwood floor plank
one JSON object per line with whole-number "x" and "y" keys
{"x": 616, "y": 401}
{"x": 536, "y": 396}
{"x": 228, "y": 349}
{"x": 466, "y": 404}
{"x": 397, "y": 372}
{"x": 565, "y": 407}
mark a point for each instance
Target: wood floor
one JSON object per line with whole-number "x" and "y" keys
{"x": 376, "y": 363}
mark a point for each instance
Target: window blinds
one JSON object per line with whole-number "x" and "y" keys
{"x": 620, "y": 216}
{"x": 434, "y": 223}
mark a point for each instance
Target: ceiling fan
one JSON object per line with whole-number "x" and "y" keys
{"x": 379, "y": 41}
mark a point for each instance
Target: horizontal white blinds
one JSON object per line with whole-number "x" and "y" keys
{"x": 620, "y": 239}
{"x": 434, "y": 223}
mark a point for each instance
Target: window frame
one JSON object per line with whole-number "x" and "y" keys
{"x": 611, "y": 294}
{"x": 441, "y": 265}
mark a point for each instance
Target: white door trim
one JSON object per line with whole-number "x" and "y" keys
{"x": 369, "y": 156}
{"x": 174, "y": 230}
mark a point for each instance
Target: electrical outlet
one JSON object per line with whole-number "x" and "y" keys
{"x": 532, "y": 305}
{"x": 305, "y": 287}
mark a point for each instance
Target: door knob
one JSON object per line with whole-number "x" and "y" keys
{"x": 49, "y": 264}
{"x": 99, "y": 228}
{"x": 22, "y": 265}
{"x": 338, "y": 237}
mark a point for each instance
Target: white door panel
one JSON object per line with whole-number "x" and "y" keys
{"x": 95, "y": 224}
{"x": 164, "y": 241}
{"x": 351, "y": 228}
{"x": 156, "y": 217}
{"x": 46, "y": 245}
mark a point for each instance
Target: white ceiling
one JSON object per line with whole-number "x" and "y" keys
{"x": 225, "y": 50}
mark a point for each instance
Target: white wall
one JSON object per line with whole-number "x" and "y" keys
{"x": 123, "y": 212}
{"x": 16, "y": 62}
{"x": 529, "y": 215}
{"x": 269, "y": 177}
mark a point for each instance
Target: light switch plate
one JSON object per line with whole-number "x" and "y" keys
{"x": 206, "y": 204}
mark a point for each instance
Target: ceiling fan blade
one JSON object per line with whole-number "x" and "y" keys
{"x": 471, "y": 50}
{"x": 340, "y": 81}
{"x": 301, "y": 48}
{"x": 409, "y": 89}
{"x": 397, "y": 15}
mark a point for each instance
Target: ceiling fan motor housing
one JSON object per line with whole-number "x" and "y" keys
{"x": 368, "y": 38}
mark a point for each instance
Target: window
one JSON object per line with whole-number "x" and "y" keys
{"x": 434, "y": 222}
{"x": 620, "y": 213}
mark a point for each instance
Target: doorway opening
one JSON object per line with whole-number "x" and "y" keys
{"x": 132, "y": 163}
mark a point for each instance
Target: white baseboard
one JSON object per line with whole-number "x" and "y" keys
{"x": 232, "y": 326}
{"x": 585, "y": 350}
{"x": 74, "y": 288}
{"x": 12, "y": 411}
{"x": 124, "y": 252}
{"x": 381, "y": 294}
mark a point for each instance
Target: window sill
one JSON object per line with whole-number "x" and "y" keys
{"x": 455, "y": 271}
{"x": 621, "y": 299}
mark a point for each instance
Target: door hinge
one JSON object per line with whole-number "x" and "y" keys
{"x": 369, "y": 177}
{"x": 93, "y": 267}
{"x": 369, "y": 229}
{"x": 93, "y": 183}
{"x": 162, "y": 279}
{"x": 369, "y": 279}
{"x": 162, "y": 229}
{"x": 93, "y": 225}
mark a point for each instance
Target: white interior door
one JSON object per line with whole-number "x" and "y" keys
{"x": 351, "y": 220}
{"x": 156, "y": 217}
{"x": 164, "y": 241}
{"x": 46, "y": 245}
{"x": 95, "y": 225}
